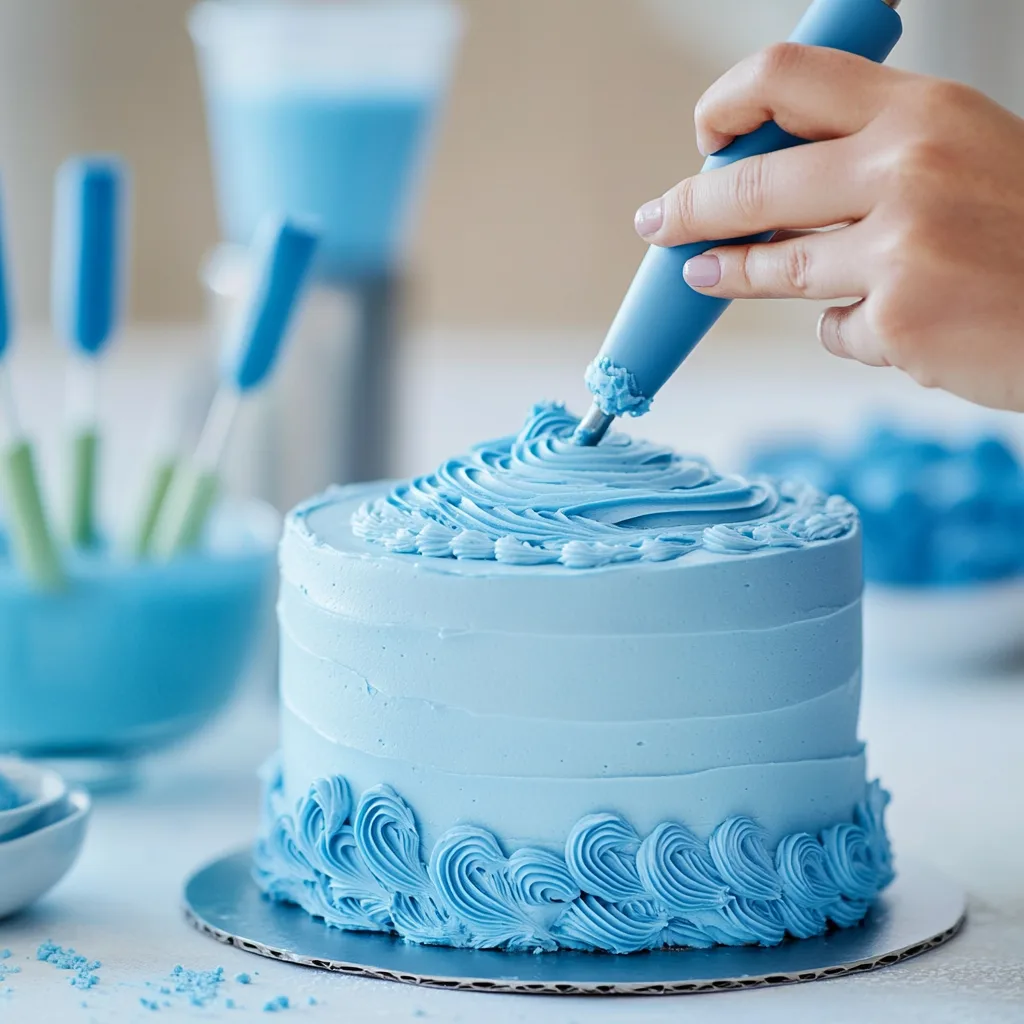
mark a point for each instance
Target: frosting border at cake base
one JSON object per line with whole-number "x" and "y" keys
{"x": 358, "y": 864}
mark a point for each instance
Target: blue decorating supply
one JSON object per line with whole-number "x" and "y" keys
{"x": 311, "y": 1001}
{"x": 933, "y": 513}
{"x": 88, "y": 251}
{"x": 5, "y": 954}
{"x": 87, "y": 271}
{"x": 351, "y": 160}
{"x": 243, "y": 978}
{"x": 661, "y": 319}
{"x": 199, "y": 987}
{"x": 282, "y": 256}
{"x": 68, "y": 960}
{"x": 276, "y": 1005}
{"x": 6, "y": 970}
{"x": 149, "y": 1004}
{"x": 282, "y": 252}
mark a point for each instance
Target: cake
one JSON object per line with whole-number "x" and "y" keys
{"x": 552, "y": 697}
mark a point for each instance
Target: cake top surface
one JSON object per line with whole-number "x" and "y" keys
{"x": 535, "y": 498}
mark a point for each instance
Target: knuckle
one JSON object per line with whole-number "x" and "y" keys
{"x": 934, "y": 98}
{"x": 797, "y": 267}
{"x": 775, "y": 61}
{"x": 747, "y": 270}
{"x": 749, "y": 184}
{"x": 682, "y": 204}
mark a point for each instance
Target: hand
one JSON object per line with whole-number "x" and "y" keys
{"x": 920, "y": 182}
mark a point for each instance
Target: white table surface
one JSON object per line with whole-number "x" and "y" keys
{"x": 950, "y": 751}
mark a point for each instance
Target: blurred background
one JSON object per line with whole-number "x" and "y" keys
{"x": 548, "y": 122}
{"x": 563, "y": 116}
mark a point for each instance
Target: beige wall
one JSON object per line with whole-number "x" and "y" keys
{"x": 565, "y": 115}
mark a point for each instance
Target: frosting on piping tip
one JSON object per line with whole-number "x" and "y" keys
{"x": 536, "y": 498}
{"x": 359, "y": 865}
{"x": 615, "y": 389}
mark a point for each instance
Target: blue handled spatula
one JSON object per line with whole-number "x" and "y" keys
{"x": 88, "y": 263}
{"x": 282, "y": 253}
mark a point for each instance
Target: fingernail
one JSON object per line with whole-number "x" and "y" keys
{"x": 649, "y": 218}
{"x": 702, "y": 271}
{"x": 830, "y": 334}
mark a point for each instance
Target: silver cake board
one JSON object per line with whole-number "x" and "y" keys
{"x": 920, "y": 911}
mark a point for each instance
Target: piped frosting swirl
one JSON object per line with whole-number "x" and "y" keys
{"x": 360, "y": 866}
{"x": 536, "y": 498}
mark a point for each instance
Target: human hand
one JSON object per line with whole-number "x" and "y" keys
{"x": 920, "y": 183}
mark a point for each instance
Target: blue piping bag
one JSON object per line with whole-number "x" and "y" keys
{"x": 282, "y": 253}
{"x": 662, "y": 319}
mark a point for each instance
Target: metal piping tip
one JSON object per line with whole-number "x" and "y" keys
{"x": 592, "y": 427}
{"x": 891, "y": 3}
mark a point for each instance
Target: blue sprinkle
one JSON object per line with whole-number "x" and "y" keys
{"x": 280, "y": 1003}
{"x": 5, "y": 954}
{"x": 200, "y": 987}
{"x": 149, "y": 1004}
{"x": 229, "y": 1003}
{"x": 69, "y": 960}
{"x": 243, "y": 978}
{"x": 311, "y": 1001}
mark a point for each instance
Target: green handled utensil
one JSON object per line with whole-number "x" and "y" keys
{"x": 282, "y": 254}
{"x": 31, "y": 539}
{"x": 88, "y": 256}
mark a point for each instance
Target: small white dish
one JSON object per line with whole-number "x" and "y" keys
{"x": 41, "y": 788}
{"x": 944, "y": 630}
{"x": 35, "y": 861}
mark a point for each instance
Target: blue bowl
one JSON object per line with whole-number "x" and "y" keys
{"x": 134, "y": 655}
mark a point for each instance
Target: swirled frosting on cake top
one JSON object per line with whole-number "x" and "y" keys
{"x": 535, "y": 498}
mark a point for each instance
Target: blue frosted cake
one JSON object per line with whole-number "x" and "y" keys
{"x": 557, "y": 697}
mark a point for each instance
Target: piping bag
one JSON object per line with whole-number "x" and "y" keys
{"x": 282, "y": 253}
{"x": 662, "y": 319}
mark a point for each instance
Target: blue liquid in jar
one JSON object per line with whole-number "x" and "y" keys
{"x": 348, "y": 162}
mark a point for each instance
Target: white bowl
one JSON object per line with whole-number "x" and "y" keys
{"x": 944, "y": 630}
{"x": 42, "y": 788}
{"x": 33, "y": 863}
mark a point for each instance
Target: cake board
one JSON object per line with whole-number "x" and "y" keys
{"x": 920, "y": 911}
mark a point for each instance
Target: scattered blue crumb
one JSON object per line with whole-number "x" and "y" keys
{"x": 229, "y": 1003}
{"x": 243, "y": 978}
{"x": 419, "y": 1013}
{"x": 69, "y": 960}
{"x": 149, "y": 1004}
{"x": 275, "y": 1005}
{"x": 201, "y": 987}
{"x": 5, "y": 954}
{"x": 311, "y": 1001}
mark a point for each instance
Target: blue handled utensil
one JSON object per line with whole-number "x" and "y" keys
{"x": 88, "y": 265}
{"x": 283, "y": 252}
{"x": 31, "y": 538}
{"x": 662, "y": 319}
